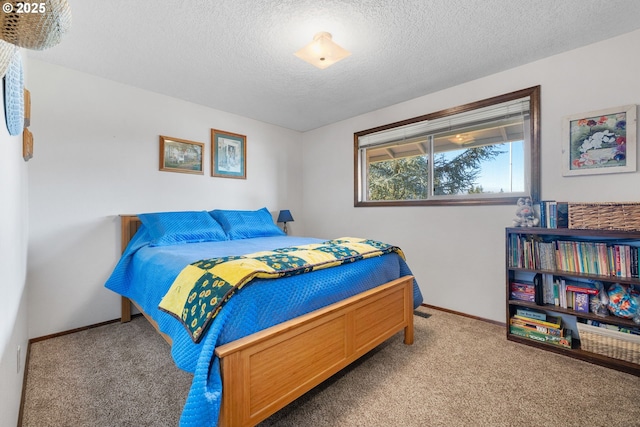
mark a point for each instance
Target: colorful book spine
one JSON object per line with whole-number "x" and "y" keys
{"x": 581, "y": 289}
{"x": 531, "y": 314}
{"x": 553, "y": 206}
{"x": 581, "y": 303}
{"x": 543, "y": 214}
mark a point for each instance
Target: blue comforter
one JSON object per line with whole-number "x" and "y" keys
{"x": 145, "y": 273}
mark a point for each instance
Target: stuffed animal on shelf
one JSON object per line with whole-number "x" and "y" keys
{"x": 525, "y": 216}
{"x": 624, "y": 301}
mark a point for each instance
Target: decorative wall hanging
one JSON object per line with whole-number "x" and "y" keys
{"x": 7, "y": 52}
{"x": 27, "y": 144}
{"x": 27, "y": 136}
{"x": 35, "y": 26}
{"x": 180, "y": 155}
{"x": 600, "y": 142}
{"x": 228, "y": 154}
{"x": 14, "y": 96}
{"x": 27, "y": 108}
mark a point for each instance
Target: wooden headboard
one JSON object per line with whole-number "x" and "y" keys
{"x": 129, "y": 224}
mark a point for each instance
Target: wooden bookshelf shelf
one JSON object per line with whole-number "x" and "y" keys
{"x": 519, "y": 273}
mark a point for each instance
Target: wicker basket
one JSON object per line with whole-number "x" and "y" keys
{"x": 605, "y": 216}
{"x": 607, "y": 342}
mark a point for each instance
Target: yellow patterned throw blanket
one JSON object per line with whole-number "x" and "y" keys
{"x": 201, "y": 288}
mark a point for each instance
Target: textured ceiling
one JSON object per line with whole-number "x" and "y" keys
{"x": 237, "y": 55}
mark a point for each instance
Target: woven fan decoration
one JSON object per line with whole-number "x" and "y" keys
{"x": 35, "y": 31}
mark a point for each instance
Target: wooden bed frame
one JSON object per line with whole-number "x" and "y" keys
{"x": 265, "y": 371}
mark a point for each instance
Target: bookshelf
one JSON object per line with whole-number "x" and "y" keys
{"x": 584, "y": 270}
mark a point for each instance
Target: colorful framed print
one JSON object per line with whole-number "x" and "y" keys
{"x": 228, "y": 154}
{"x": 180, "y": 155}
{"x": 600, "y": 142}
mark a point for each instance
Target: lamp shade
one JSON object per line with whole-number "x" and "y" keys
{"x": 285, "y": 216}
{"x": 322, "y": 51}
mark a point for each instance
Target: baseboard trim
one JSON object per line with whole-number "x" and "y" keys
{"x": 73, "y": 331}
{"x": 446, "y": 310}
{"x": 24, "y": 384}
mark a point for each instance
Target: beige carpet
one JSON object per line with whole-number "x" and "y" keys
{"x": 459, "y": 372}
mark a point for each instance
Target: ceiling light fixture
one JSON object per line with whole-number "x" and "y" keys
{"x": 322, "y": 51}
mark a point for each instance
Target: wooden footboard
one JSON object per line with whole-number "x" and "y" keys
{"x": 264, "y": 372}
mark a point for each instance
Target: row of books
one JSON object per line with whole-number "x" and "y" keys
{"x": 618, "y": 260}
{"x": 539, "y": 326}
{"x": 554, "y": 214}
{"x": 556, "y": 291}
{"x": 588, "y": 257}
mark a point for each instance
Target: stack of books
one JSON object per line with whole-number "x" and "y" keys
{"x": 539, "y": 326}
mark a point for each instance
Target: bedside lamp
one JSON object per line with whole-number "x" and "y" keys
{"x": 285, "y": 216}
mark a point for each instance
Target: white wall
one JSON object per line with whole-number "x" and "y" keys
{"x": 13, "y": 265}
{"x": 457, "y": 253}
{"x": 96, "y": 156}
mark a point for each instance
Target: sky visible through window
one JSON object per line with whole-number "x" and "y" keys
{"x": 495, "y": 175}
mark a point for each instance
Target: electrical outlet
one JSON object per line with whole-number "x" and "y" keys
{"x": 19, "y": 359}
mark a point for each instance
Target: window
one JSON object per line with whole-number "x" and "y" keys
{"x": 486, "y": 152}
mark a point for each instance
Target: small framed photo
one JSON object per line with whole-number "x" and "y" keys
{"x": 600, "y": 142}
{"x": 228, "y": 154}
{"x": 180, "y": 155}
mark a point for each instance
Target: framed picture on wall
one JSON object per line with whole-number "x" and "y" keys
{"x": 180, "y": 155}
{"x": 600, "y": 142}
{"x": 228, "y": 154}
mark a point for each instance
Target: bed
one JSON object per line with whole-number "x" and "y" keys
{"x": 255, "y": 357}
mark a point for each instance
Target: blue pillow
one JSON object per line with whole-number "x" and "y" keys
{"x": 171, "y": 228}
{"x": 247, "y": 224}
